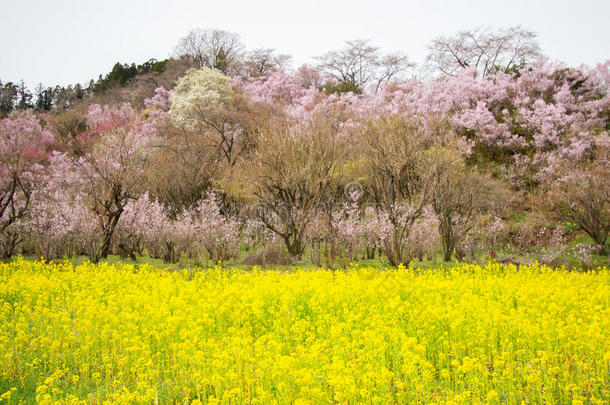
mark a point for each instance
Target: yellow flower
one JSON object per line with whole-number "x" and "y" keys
{"x": 125, "y": 334}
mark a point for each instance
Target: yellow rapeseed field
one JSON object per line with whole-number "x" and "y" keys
{"x": 125, "y": 334}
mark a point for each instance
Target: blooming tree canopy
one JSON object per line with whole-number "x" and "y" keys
{"x": 23, "y": 152}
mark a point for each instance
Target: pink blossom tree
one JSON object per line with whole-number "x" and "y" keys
{"x": 528, "y": 123}
{"x": 209, "y": 229}
{"x": 58, "y": 219}
{"x": 135, "y": 223}
{"x": 24, "y": 148}
{"x": 113, "y": 168}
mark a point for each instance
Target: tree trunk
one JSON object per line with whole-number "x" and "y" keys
{"x": 108, "y": 232}
{"x": 169, "y": 255}
{"x": 294, "y": 245}
{"x": 447, "y": 255}
{"x": 447, "y": 240}
{"x": 448, "y": 247}
{"x": 9, "y": 245}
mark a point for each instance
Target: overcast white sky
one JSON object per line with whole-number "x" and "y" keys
{"x": 70, "y": 41}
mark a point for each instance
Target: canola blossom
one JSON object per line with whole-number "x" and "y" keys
{"x": 126, "y": 334}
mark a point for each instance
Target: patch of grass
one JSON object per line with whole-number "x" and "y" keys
{"x": 25, "y": 389}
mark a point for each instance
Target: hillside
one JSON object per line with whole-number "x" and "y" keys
{"x": 222, "y": 153}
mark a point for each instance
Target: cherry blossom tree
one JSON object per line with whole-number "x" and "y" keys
{"x": 528, "y": 123}
{"x": 24, "y": 146}
{"x": 210, "y": 230}
{"x": 137, "y": 220}
{"x": 56, "y": 222}
{"x": 113, "y": 168}
{"x": 424, "y": 238}
{"x": 308, "y": 76}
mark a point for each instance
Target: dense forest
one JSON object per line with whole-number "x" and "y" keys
{"x": 489, "y": 151}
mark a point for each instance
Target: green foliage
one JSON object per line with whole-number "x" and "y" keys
{"x": 123, "y": 74}
{"x": 342, "y": 87}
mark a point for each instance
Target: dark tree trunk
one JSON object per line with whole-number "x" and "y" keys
{"x": 294, "y": 245}
{"x": 108, "y": 232}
